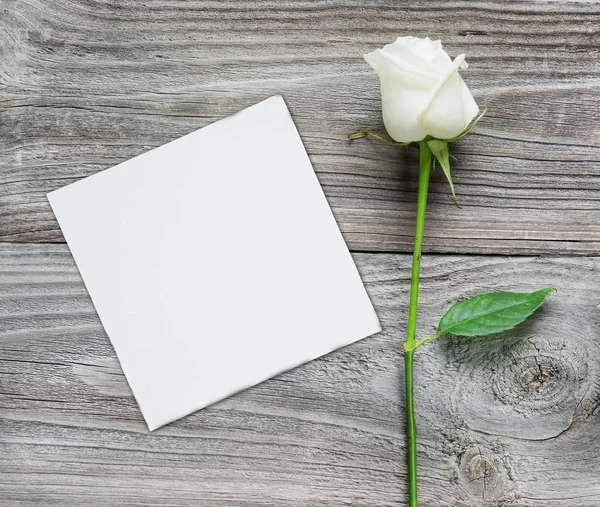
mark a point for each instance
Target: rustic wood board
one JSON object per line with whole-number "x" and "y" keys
{"x": 87, "y": 84}
{"x": 505, "y": 421}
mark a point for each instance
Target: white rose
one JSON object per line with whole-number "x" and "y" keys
{"x": 422, "y": 93}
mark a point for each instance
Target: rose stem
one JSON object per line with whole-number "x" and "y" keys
{"x": 410, "y": 344}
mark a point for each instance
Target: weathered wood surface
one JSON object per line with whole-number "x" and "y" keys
{"x": 507, "y": 421}
{"x": 87, "y": 84}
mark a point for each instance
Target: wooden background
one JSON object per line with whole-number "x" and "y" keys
{"x": 512, "y": 421}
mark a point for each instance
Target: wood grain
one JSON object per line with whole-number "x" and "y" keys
{"x": 87, "y": 84}
{"x": 506, "y": 421}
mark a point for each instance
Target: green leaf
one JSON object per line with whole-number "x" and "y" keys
{"x": 468, "y": 128}
{"x": 439, "y": 149}
{"x": 491, "y": 313}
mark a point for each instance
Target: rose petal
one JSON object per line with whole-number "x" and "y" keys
{"x": 450, "y": 111}
{"x": 400, "y": 59}
{"x": 426, "y": 48}
{"x": 441, "y": 60}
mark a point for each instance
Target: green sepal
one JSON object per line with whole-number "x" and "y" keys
{"x": 365, "y": 133}
{"x": 439, "y": 149}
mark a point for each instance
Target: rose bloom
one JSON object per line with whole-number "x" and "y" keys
{"x": 421, "y": 91}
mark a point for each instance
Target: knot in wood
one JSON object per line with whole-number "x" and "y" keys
{"x": 510, "y": 384}
{"x": 480, "y": 468}
{"x": 482, "y": 474}
{"x": 535, "y": 382}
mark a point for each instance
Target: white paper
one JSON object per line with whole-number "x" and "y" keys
{"x": 214, "y": 262}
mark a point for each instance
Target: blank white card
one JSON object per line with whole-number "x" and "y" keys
{"x": 214, "y": 262}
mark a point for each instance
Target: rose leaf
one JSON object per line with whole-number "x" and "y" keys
{"x": 491, "y": 313}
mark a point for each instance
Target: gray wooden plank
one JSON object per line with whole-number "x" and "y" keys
{"x": 85, "y": 85}
{"x": 504, "y": 421}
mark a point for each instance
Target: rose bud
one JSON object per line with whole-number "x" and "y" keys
{"x": 421, "y": 91}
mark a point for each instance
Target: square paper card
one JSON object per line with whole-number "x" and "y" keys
{"x": 214, "y": 262}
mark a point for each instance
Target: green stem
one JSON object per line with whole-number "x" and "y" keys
{"x": 411, "y": 428}
{"x": 410, "y": 344}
